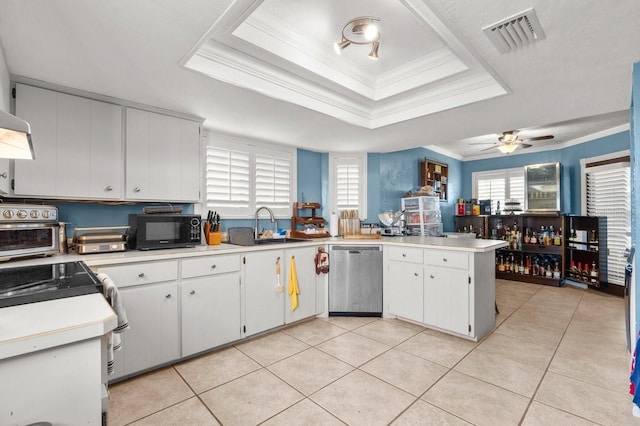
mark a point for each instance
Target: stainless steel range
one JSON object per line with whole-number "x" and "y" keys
{"x": 28, "y": 230}
{"x": 28, "y": 284}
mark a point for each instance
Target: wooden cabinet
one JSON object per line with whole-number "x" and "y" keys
{"x": 585, "y": 250}
{"x": 436, "y": 175}
{"x": 263, "y": 306}
{"x": 210, "y": 302}
{"x": 149, "y": 293}
{"x": 77, "y": 144}
{"x": 162, "y": 158}
{"x": 535, "y": 252}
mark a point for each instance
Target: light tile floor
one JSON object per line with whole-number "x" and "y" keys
{"x": 556, "y": 357}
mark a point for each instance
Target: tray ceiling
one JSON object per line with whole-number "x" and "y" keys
{"x": 284, "y": 50}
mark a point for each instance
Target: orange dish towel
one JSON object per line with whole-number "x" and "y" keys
{"x": 293, "y": 288}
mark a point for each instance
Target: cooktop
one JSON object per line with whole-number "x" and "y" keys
{"x": 28, "y": 284}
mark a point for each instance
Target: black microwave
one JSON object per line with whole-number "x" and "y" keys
{"x": 158, "y": 231}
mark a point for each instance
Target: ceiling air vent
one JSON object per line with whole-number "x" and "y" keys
{"x": 516, "y": 31}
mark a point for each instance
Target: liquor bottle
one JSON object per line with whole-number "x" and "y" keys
{"x": 527, "y": 266}
{"x": 536, "y": 267}
{"x": 527, "y": 236}
{"x": 501, "y": 267}
{"x": 556, "y": 239}
{"x": 521, "y": 267}
{"x": 586, "y": 273}
{"x": 594, "y": 239}
{"x": 556, "y": 272}
{"x": 594, "y": 273}
{"x": 533, "y": 239}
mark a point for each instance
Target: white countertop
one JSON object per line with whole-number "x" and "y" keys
{"x": 132, "y": 256}
{"x": 36, "y": 326}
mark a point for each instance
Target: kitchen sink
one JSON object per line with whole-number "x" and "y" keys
{"x": 279, "y": 241}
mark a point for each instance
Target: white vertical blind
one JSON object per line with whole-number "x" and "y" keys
{"x": 608, "y": 195}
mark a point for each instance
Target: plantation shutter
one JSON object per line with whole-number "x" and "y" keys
{"x": 347, "y": 184}
{"x": 273, "y": 177}
{"x": 492, "y": 188}
{"x": 499, "y": 186}
{"x": 608, "y": 196}
{"x": 228, "y": 180}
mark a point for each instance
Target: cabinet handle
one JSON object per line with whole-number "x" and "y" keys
{"x": 136, "y": 189}
{"x": 431, "y": 276}
{"x": 415, "y": 273}
{"x": 3, "y": 175}
{"x": 108, "y": 188}
{"x": 404, "y": 255}
{"x": 444, "y": 259}
{"x": 141, "y": 274}
{"x": 213, "y": 266}
{"x": 192, "y": 292}
{"x": 168, "y": 296}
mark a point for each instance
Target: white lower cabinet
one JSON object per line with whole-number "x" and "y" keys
{"x": 306, "y": 272}
{"x": 210, "y": 302}
{"x": 406, "y": 292}
{"x": 448, "y": 290}
{"x": 446, "y": 299}
{"x": 263, "y": 303}
{"x": 149, "y": 293}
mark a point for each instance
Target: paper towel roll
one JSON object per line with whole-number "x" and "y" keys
{"x": 333, "y": 225}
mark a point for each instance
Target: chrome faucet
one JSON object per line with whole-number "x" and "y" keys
{"x": 271, "y": 217}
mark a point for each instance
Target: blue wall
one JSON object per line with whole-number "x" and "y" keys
{"x": 568, "y": 157}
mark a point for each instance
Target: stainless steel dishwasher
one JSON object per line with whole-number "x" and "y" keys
{"x": 355, "y": 281}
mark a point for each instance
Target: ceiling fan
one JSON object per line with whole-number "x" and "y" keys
{"x": 509, "y": 141}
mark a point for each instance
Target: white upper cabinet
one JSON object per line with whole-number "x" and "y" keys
{"x": 77, "y": 144}
{"x": 162, "y": 157}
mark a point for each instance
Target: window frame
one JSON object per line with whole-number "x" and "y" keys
{"x": 507, "y": 175}
{"x": 253, "y": 148}
{"x": 361, "y": 159}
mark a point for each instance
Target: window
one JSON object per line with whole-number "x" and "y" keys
{"x": 606, "y": 193}
{"x": 499, "y": 186}
{"x": 348, "y": 181}
{"x": 241, "y": 177}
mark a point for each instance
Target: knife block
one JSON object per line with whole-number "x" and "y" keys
{"x": 214, "y": 238}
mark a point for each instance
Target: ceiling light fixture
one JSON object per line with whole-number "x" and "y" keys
{"x": 507, "y": 148}
{"x": 15, "y": 138}
{"x": 363, "y": 30}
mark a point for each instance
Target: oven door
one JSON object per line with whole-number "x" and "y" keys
{"x": 28, "y": 239}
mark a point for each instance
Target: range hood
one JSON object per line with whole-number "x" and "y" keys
{"x": 15, "y": 138}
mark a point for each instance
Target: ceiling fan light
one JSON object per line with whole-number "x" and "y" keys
{"x": 374, "y": 50}
{"x": 339, "y": 47}
{"x": 507, "y": 148}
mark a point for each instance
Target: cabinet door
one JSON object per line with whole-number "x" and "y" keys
{"x": 306, "y": 272}
{"x": 263, "y": 304}
{"x": 163, "y": 157}
{"x": 38, "y": 107}
{"x": 210, "y": 312}
{"x": 405, "y": 290}
{"x": 78, "y": 146}
{"x": 5, "y": 180}
{"x": 152, "y": 338}
{"x": 446, "y": 299}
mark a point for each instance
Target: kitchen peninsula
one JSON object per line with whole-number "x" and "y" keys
{"x": 170, "y": 295}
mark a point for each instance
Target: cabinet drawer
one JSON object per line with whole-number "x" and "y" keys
{"x": 142, "y": 273}
{"x": 404, "y": 254}
{"x": 449, "y": 259}
{"x": 210, "y": 265}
